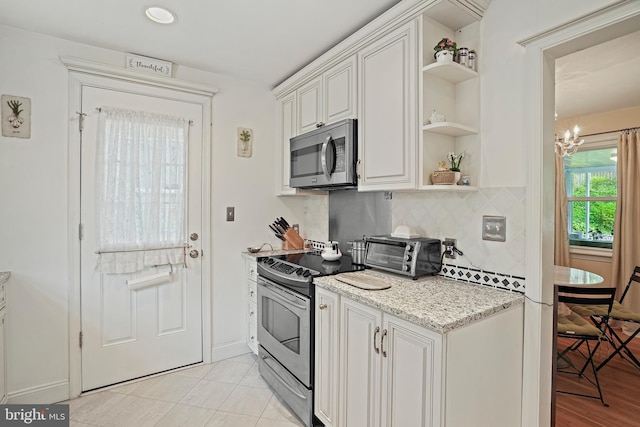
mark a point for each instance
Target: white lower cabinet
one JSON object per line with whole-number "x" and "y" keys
{"x": 390, "y": 369}
{"x": 252, "y": 301}
{"x": 377, "y": 370}
{"x": 327, "y": 334}
{"x": 3, "y": 347}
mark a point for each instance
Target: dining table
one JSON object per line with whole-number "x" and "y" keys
{"x": 569, "y": 276}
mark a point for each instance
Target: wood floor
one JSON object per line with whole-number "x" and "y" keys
{"x": 620, "y": 382}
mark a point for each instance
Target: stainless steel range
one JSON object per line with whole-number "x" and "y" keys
{"x": 286, "y": 324}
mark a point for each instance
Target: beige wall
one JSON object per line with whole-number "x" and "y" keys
{"x": 601, "y": 122}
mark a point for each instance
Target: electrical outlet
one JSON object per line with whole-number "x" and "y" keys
{"x": 449, "y": 244}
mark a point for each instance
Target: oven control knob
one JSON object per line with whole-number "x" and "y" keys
{"x": 299, "y": 270}
{"x": 269, "y": 261}
{"x": 407, "y": 258}
{"x": 306, "y": 273}
{"x": 405, "y": 268}
{"x": 410, "y": 248}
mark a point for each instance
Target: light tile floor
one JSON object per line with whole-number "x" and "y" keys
{"x": 228, "y": 393}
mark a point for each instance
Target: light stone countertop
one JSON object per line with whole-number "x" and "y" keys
{"x": 433, "y": 302}
{"x": 4, "y": 276}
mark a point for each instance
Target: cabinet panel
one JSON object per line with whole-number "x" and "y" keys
{"x": 340, "y": 91}
{"x": 250, "y": 278}
{"x": 327, "y": 321}
{"x": 3, "y": 357}
{"x": 359, "y": 364}
{"x": 386, "y": 108}
{"x": 287, "y": 128}
{"x": 411, "y": 375}
{"x": 309, "y": 105}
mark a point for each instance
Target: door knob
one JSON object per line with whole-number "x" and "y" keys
{"x": 194, "y": 253}
{"x": 194, "y": 236}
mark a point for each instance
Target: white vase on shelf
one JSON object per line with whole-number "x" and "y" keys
{"x": 444, "y": 56}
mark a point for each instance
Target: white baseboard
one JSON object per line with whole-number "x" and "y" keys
{"x": 43, "y": 394}
{"x": 226, "y": 351}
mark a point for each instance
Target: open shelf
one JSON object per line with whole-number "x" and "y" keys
{"x": 450, "y": 71}
{"x": 450, "y": 129}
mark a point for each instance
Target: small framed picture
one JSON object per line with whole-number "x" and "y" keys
{"x": 16, "y": 116}
{"x": 245, "y": 142}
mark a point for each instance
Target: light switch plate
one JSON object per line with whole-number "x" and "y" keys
{"x": 494, "y": 228}
{"x": 231, "y": 213}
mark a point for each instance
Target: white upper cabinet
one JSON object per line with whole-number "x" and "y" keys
{"x": 309, "y": 99}
{"x": 329, "y": 97}
{"x": 287, "y": 127}
{"x": 387, "y": 74}
{"x": 340, "y": 91}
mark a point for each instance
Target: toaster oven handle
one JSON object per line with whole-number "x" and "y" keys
{"x": 386, "y": 242}
{"x": 326, "y": 167}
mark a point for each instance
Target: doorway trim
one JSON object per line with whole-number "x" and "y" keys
{"x": 82, "y": 72}
{"x": 542, "y": 49}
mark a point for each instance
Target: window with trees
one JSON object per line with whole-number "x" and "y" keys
{"x": 591, "y": 178}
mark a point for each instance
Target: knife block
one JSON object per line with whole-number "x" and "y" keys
{"x": 292, "y": 240}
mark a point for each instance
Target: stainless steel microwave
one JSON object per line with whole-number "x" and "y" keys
{"x": 325, "y": 158}
{"x": 410, "y": 257}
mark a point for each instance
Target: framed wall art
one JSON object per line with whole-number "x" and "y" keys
{"x": 16, "y": 116}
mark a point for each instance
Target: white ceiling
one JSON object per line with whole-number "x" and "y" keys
{"x": 266, "y": 41}
{"x": 269, "y": 41}
{"x": 605, "y": 77}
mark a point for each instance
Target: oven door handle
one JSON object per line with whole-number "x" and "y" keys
{"x": 283, "y": 298}
{"x": 282, "y": 380}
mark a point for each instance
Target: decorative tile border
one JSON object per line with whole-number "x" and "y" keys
{"x": 485, "y": 278}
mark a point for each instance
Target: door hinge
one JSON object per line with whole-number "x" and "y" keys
{"x": 81, "y": 231}
{"x": 81, "y": 117}
{"x": 80, "y": 339}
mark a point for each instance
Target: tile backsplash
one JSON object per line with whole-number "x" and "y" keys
{"x": 458, "y": 215}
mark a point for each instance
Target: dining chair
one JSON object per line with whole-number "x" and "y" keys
{"x": 620, "y": 313}
{"x": 575, "y": 327}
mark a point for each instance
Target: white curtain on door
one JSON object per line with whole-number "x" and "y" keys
{"x": 140, "y": 194}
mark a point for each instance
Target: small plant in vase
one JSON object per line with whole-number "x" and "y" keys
{"x": 446, "y": 50}
{"x": 454, "y": 160}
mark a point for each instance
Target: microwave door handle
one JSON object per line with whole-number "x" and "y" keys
{"x": 326, "y": 168}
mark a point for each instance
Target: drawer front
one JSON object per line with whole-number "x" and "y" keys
{"x": 252, "y": 292}
{"x": 252, "y": 336}
{"x": 252, "y": 312}
{"x": 252, "y": 270}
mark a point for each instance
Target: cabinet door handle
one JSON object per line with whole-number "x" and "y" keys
{"x": 384, "y": 353}
{"x": 322, "y": 306}
{"x": 374, "y": 340}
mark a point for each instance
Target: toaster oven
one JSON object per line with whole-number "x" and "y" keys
{"x": 410, "y": 257}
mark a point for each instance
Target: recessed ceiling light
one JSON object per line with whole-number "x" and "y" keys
{"x": 160, "y": 15}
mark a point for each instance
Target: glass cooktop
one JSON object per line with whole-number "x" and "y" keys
{"x": 314, "y": 261}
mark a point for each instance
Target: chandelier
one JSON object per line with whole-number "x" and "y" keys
{"x": 569, "y": 144}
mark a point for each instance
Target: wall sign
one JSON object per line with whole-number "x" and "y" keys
{"x": 149, "y": 65}
{"x": 16, "y": 116}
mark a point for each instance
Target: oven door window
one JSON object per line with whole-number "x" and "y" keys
{"x": 281, "y": 323}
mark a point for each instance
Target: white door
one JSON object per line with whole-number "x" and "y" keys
{"x": 128, "y": 333}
